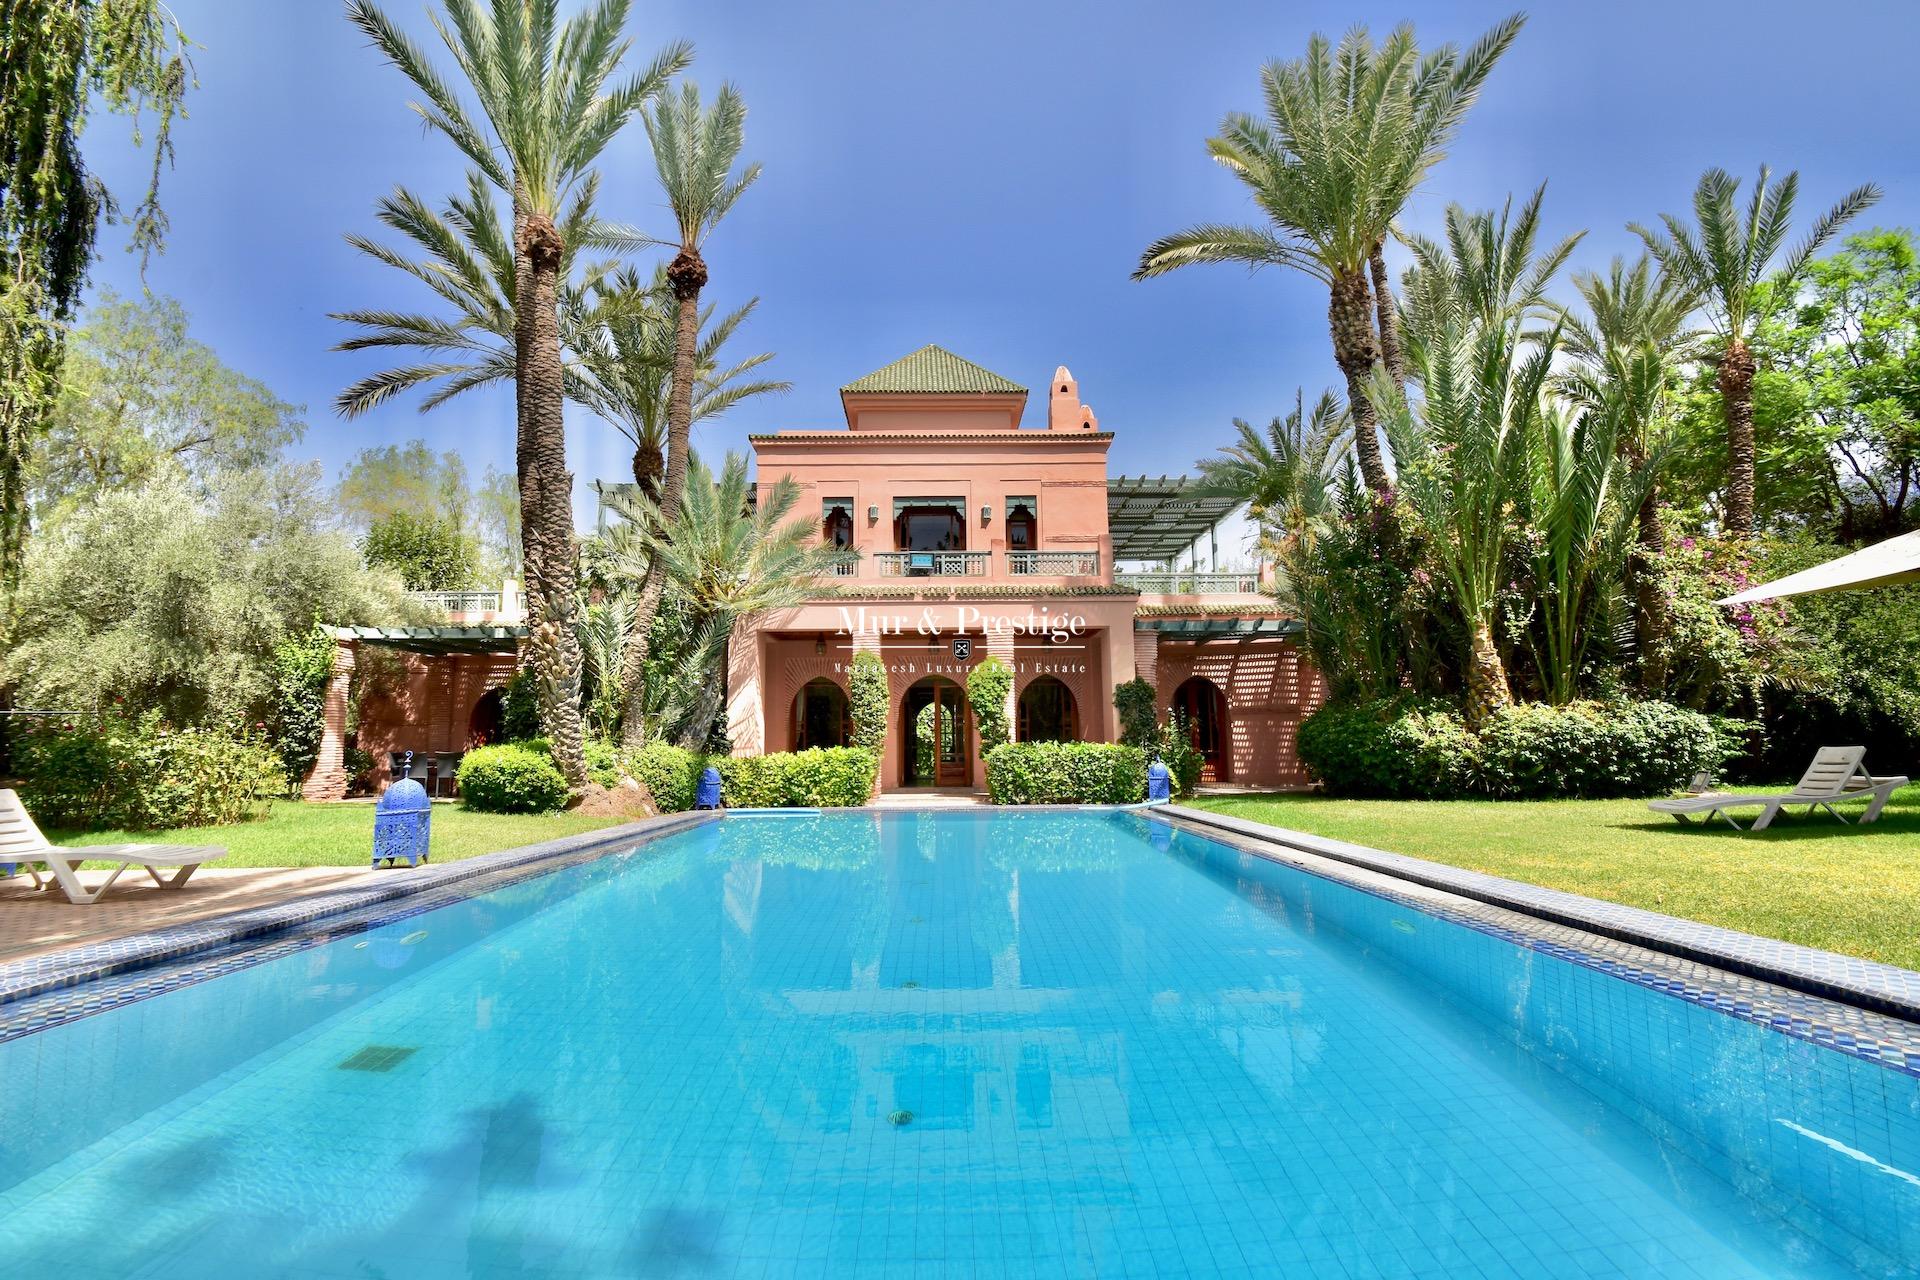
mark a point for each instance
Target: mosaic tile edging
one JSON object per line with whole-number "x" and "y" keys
{"x": 87, "y": 962}
{"x": 112, "y": 991}
{"x": 1885, "y": 1040}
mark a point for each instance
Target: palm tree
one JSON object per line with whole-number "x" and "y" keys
{"x": 1629, "y": 348}
{"x": 629, "y": 359}
{"x": 1287, "y": 475}
{"x": 1482, "y": 372}
{"x": 1724, "y": 258}
{"x": 547, "y": 110}
{"x": 1349, "y": 134}
{"x": 695, "y": 149}
{"x": 464, "y": 254}
{"x": 728, "y": 561}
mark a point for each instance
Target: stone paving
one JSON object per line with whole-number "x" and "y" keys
{"x": 34, "y": 922}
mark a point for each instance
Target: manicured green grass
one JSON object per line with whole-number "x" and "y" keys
{"x": 341, "y": 835}
{"x": 1807, "y": 880}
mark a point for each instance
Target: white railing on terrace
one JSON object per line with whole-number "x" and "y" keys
{"x": 845, "y": 567}
{"x": 931, "y": 564}
{"x": 1191, "y": 584}
{"x": 1055, "y": 564}
{"x": 461, "y": 601}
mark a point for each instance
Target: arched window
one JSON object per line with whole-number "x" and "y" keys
{"x": 821, "y": 716}
{"x": 1048, "y": 712}
{"x": 1203, "y": 709}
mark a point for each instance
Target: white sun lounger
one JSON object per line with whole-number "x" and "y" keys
{"x": 23, "y": 845}
{"x": 1836, "y": 774}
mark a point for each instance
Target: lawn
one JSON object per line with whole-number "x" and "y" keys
{"x": 341, "y": 835}
{"x": 1807, "y": 880}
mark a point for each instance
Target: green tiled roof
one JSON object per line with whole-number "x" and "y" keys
{"x": 934, "y": 370}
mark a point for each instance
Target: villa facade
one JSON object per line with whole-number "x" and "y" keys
{"x": 963, "y": 534}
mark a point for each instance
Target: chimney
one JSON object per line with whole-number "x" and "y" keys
{"x": 1064, "y": 410}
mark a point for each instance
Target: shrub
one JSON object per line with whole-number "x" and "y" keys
{"x": 511, "y": 778}
{"x": 1135, "y": 702}
{"x": 603, "y": 763}
{"x": 1066, "y": 773}
{"x": 867, "y": 699}
{"x": 669, "y": 772}
{"x": 143, "y": 776}
{"x": 1174, "y": 743}
{"x": 987, "y": 687}
{"x": 821, "y": 777}
{"x": 520, "y": 706}
{"x": 1423, "y": 749}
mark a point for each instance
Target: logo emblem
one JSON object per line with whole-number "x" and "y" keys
{"x": 962, "y": 648}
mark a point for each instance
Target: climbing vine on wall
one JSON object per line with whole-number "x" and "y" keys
{"x": 987, "y": 688}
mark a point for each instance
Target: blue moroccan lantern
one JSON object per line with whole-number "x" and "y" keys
{"x": 1159, "y": 782}
{"x": 403, "y": 819}
{"x": 707, "y": 795}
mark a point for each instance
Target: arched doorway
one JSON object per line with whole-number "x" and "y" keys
{"x": 1204, "y": 708}
{"x": 936, "y": 740}
{"x": 485, "y": 725}
{"x": 1048, "y": 712}
{"x": 821, "y": 716}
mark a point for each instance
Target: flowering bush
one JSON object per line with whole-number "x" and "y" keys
{"x": 145, "y": 776}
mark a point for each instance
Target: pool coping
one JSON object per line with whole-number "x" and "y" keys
{"x": 1848, "y": 980}
{"x": 71, "y": 966}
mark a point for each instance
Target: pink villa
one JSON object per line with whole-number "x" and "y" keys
{"x": 965, "y": 534}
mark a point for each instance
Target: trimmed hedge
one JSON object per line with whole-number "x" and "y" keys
{"x": 513, "y": 777}
{"x": 1066, "y": 773}
{"x": 1423, "y": 749}
{"x": 821, "y": 777}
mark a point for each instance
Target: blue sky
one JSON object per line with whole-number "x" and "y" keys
{"x": 984, "y": 176}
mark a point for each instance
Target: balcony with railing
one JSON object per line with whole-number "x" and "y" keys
{"x": 1192, "y": 583}
{"x": 1054, "y": 564}
{"x": 460, "y": 601}
{"x": 931, "y": 564}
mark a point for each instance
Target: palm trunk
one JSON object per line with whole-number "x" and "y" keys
{"x": 1391, "y": 354}
{"x": 1736, "y": 401}
{"x": 546, "y": 491}
{"x": 648, "y": 467}
{"x": 1487, "y": 690}
{"x": 688, "y": 275}
{"x": 1356, "y": 352}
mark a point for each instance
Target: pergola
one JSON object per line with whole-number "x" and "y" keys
{"x": 1217, "y": 628}
{"x": 437, "y": 641}
{"x": 1157, "y": 519}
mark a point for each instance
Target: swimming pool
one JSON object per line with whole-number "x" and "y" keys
{"x": 953, "y": 1043}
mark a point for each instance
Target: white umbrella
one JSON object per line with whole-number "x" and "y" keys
{"x": 1881, "y": 565}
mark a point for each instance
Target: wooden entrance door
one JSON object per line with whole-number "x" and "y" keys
{"x": 939, "y": 744}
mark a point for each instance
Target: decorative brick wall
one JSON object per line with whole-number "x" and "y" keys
{"x": 1269, "y": 688}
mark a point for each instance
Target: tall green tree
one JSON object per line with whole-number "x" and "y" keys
{"x": 1288, "y": 474}
{"x": 428, "y": 552}
{"x": 727, "y": 560}
{"x": 404, "y": 479}
{"x": 627, "y": 363}
{"x": 1629, "y": 348}
{"x": 59, "y": 61}
{"x": 695, "y": 151}
{"x": 1726, "y": 257}
{"x": 1348, "y": 135}
{"x": 138, "y": 395}
{"x": 549, "y": 105}
{"x": 1479, "y": 372}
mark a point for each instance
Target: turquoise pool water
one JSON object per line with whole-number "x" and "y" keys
{"x": 942, "y": 1044}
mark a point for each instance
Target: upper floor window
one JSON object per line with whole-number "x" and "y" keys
{"x": 930, "y": 524}
{"x": 836, "y": 523}
{"x": 1023, "y": 524}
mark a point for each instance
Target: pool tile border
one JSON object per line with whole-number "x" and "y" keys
{"x": 89, "y": 962}
{"x": 1716, "y": 968}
